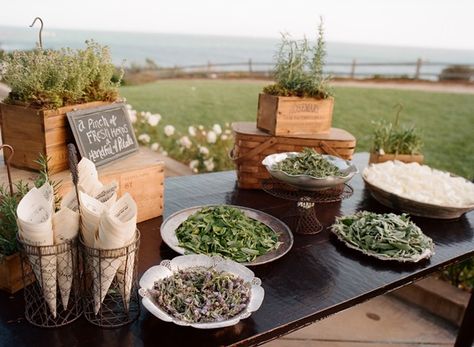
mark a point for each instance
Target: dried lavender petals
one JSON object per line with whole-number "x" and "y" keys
{"x": 201, "y": 295}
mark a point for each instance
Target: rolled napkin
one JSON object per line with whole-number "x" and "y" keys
{"x": 35, "y": 227}
{"x": 117, "y": 229}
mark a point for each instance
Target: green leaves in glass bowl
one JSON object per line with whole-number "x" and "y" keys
{"x": 384, "y": 236}
{"x": 228, "y": 232}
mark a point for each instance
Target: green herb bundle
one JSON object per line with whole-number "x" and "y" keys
{"x": 226, "y": 231}
{"x": 308, "y": 162}
{"x": 299, "y": 69}
{"x": 386, "y": 236}
{"x": 389, "y": 138}
{"x": 55, "y": 78}
{"x": 201, "y": 295}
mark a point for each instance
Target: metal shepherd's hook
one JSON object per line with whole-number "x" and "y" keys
{"x": 40, "y": 31}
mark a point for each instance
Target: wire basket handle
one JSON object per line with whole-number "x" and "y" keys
{"x": 7, "y": 163}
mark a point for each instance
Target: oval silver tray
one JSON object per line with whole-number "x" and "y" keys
{"x": 169, "y": 226}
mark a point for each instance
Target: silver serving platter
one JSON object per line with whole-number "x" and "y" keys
{"x": 169, "y": 226}
{"x": 308, "y": 182}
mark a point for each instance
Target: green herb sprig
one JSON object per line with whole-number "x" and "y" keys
{"x": 386, "y": 235}
{"x": 201, "y": 295}
{"x": 226, "y": 231}
{"x": 308, "y": 162}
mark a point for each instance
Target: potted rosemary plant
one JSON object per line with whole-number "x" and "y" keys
{"x": 300, "y": 102}
{"x": 394, "y": 142}
{"x": 45, "y": 84}
{"x": 10, "y": 264}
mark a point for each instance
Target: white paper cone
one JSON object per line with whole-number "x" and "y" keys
{"x": 108, "y": 269}
{"x": 91, "y": 210}
{"x": 65, "y": 227}
{"x": 34, "y": 213}
{"x": 88, "y": 177}
{"x": 117, "y": 229}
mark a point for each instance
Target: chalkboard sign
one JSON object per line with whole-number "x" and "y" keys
{"x": 103, "y": 134}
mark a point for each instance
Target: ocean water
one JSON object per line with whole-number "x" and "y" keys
{"x": 169, "y": 50}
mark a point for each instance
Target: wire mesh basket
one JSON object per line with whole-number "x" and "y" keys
{"x": 52, "y": 281}
{"x": 110, "y": 296}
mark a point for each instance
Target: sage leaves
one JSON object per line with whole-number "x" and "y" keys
{"x": 308, "y": 162}
{"x": 385, "y": 236}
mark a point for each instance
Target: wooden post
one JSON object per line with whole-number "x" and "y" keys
{"x": 209, "y": 66}
{"x": 250, "y": 65}
{"x": 353, "y": 69}
{"x": 419, "y": 62}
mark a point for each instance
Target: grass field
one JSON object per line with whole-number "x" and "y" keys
{"x": 446, "y": 120}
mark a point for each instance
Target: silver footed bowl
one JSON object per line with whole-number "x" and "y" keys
{"x": 308, "y": 182}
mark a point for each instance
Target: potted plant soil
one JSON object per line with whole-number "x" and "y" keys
{"x": 394, "y": 142}
{"x": 45, "y": 84}
{"x": 300, "y": 102}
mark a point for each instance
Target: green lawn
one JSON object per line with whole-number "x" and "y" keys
{"x": 446, "y": 120}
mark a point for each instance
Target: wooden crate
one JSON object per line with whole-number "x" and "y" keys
{"x": 406, "y": 158}
{"x": 252, "y": 146}
{"x": 141, "y": 175}
{"x": 11, "y": 279}
{"x": 32, "y": 131}
{"x": 282, "y": 116}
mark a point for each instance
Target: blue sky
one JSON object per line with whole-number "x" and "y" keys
{"x": 423, "y": 23}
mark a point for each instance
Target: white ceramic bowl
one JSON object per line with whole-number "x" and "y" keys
{"x": 308, "y": 182}
{"x": 168, "y": 267}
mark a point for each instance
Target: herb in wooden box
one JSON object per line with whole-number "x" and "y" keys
{"x": 300, "y": 102}
{"x": 390, "y": 141}
{"x": 45, "y": 84}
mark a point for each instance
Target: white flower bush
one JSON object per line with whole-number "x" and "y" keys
{"x": 203, "y": 149}
{"x": 211, "y": 137}
{"x": 169, "y": 130}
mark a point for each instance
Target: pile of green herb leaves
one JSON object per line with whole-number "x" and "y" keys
{"x": 308, "y": 162}
{"x": 226, "y": 231}
{"x": 201, "y": 295}
{"x": 386, "y": 236}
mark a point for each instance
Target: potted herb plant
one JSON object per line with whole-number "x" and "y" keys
{"x": 45, "y": 84}
{"x": 394, "y": 142}
{"x": 10, "y": 264}
{"x": 300, "y": 102}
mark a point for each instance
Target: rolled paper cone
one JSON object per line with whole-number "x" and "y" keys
{"x": 88, "y": 177}
{"x": 117, "y": 228}
{"x": 65, "y": 227}
{"x": 91, "y": 209}
{"x": 101, "y": 283}
{"x": 48, "y": 193}
{"x": 35, "y": 228}
{"x": 108, "y": 194}
{"x": 125, "y": 276}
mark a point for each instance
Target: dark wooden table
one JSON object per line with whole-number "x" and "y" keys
{"x": 317, "y": 278}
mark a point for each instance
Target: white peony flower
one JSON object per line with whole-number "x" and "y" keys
{"x": 203, "y": 150}
{"x": 185, "y": 142}
{"x": 193, "y": 164}
{"x": 154, "y": 119}
{"x": 217, "y": 129}
{"x": 192, "y": 131}
{"x": 209, "y": 164}
{"x": 211, "y": 137}
{"x": 224, "y": 137}
{"x": 169, "y": 130}
{"x": 144, "y": 138}
{"x": 155, "y": 146}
